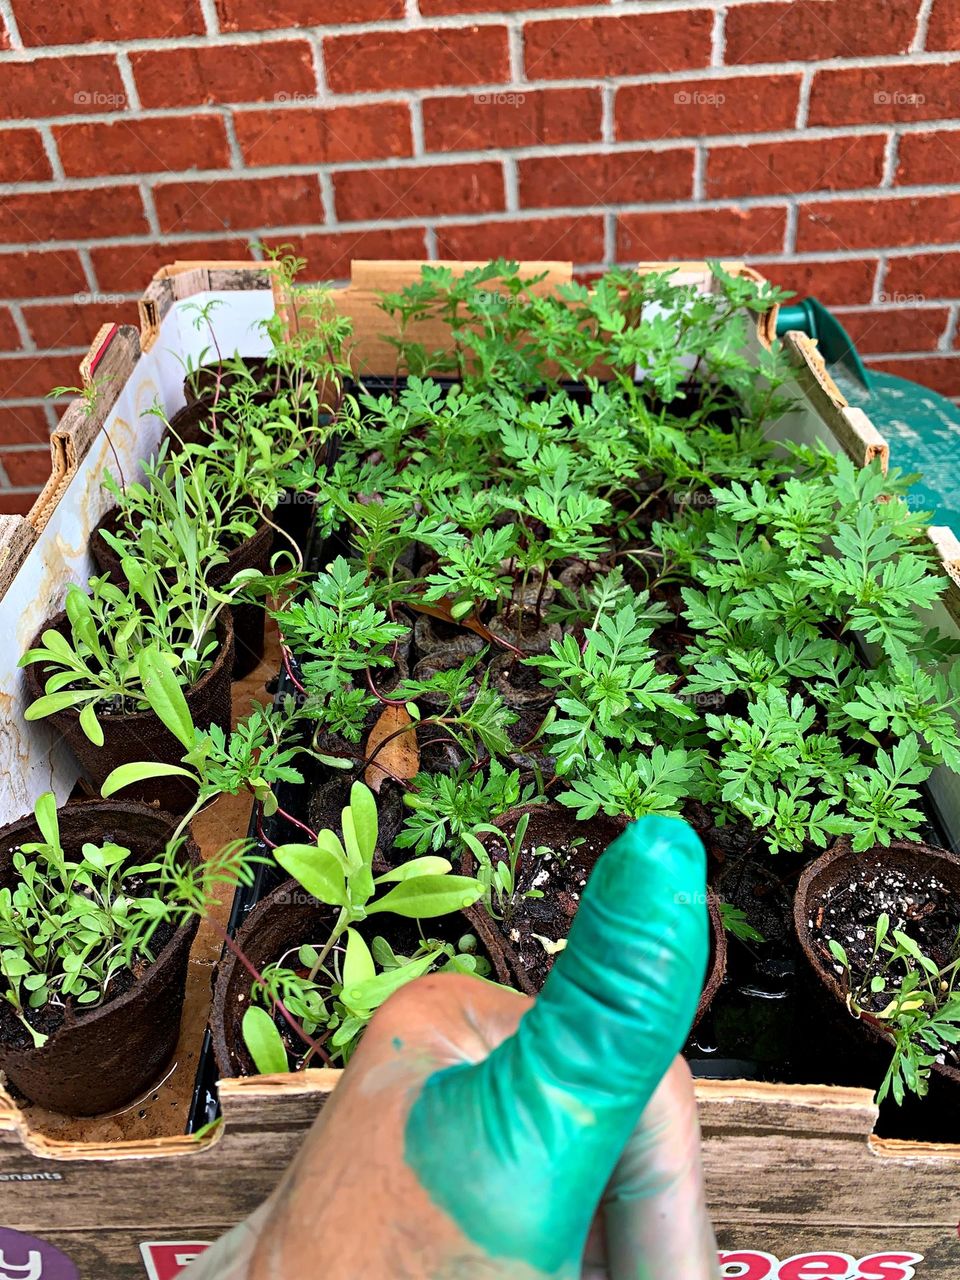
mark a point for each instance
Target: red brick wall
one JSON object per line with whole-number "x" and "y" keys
{"x": 815, "y": 139}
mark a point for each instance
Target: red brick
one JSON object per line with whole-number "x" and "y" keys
{"x": 876, "y": 224}
{"x": 129, "y": 268}
{"x": 22, "y": 157}
{"x": 4, "y": 35}
{"x": 25, "y": 376}
{"x": 834, "y": 283}
{"x": 559, "y": 239}
{"x": 143, "y": 146}
{"x": 811, "y": 29}
{"x": 699, "y": 108}
{"x": 75, "y": 324}
{"x": 882, "y": 95}
{"x": 16, "y": 502}
{"x": 920, "y": 276}
{"x": 43, "y": 23}
{"x": 36, "y": 275}
{"x": 628, "y": 177}
{"x": 943, "y": 31}
{"x": 26, "y": 467}
{"x": 9, "y": 334}
{"x": 329, "y": 254}
{"x": 62, "y": 86}
{"x": 431, "y": 8}
{"x": 315, "y": 136}
{"x": 254, "y": 15}
{"x": 420, "y": 59}
{"x": 905, "y": 329}
{"x": 72, "y": 215}
{"x": 281, "y": 70}
{"x": 363, "y": 195}
{"x": 241, "y": 205}
{"x": 634, "y": 44}
{"x": 23, "y": 424}
{"x": 941, "y": 373}
{"x": 927, "y": 158}
{"x": 699, "y": 233}
{"x": 780, "y": 168}
{"x": 512, "y": 118}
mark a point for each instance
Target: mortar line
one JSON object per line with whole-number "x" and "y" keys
{"x": 923, "y": 26}
{"x": 718, "y": 38}
{"x": 233, "y": 142}
{"x": 13, "y": 27}
{"x": 127, "y": 79}
{"x": 23, "y": 329}
{"x": 949, "y": 336}
{"x": 890, "y": 158}
{"x": 453, "y": 159}
{"x": 52, "y": 151}
{"x": 211, "y": 19}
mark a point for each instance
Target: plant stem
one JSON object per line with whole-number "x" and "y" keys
{"x": 281, "y": 1008}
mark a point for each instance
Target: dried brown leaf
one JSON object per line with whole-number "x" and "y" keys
{"x": 400, "y": 757}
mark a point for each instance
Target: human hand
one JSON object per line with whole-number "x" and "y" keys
{"x": 476, "y": 1133}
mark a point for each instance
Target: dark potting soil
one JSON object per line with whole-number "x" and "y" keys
{"x": 51, "y": 1018}
{"x": 925, "y": 910}
{"x": 559, "y": 870}
{"x": 770, "y": 1021}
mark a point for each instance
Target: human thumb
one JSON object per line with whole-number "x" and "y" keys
{"x": 517, "y": 1148}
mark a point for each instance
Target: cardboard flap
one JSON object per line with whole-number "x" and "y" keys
{"x": 17, "y": 536}
{"x": 107, "y": 365}
{"x": 861, "y": 440}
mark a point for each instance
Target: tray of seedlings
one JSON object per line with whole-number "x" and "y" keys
{"x": 562, "y": 578}
{"x": 573, "y": 564}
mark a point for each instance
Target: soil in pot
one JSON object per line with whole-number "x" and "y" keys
{"x": 284, "y": 921}
{"x": 248, "y": 619}
{"x": 556, "y": 859}
{"x": 840, "y": 896}
{"x": 330, "y": 795}
{"x": 98, "y": 1059}
{"x": 520, "y": 687}
{"x": 140, "y": 735}
{"x": 432, "y": 635}
{"x": 525, "y": 631}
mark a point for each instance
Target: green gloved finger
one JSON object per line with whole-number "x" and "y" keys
{"x": 517, "y": 1149}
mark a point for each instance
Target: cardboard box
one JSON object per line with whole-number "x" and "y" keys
{"x": 798, "y": 1185}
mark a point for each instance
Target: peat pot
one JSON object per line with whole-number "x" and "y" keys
{"x": 516, "y": 948}
{"x": 248, "y": 619}
{"x": 282, "y": 922}
{"x": 140, "y": 735}
{"x": 99, "y": 1059}
{"x": 859, "y": 887}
